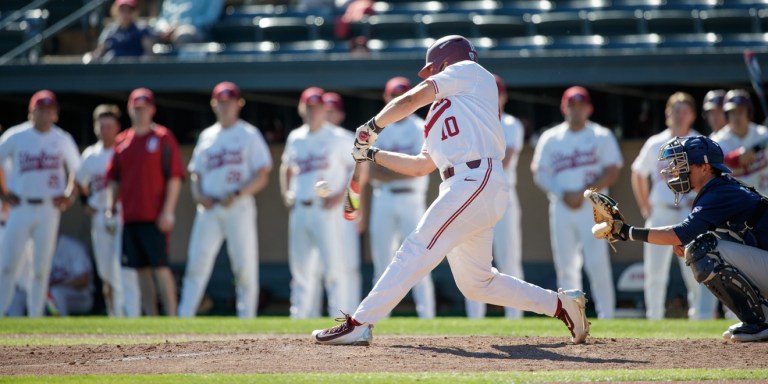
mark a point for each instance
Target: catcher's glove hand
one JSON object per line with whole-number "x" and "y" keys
{"x": 608, "y": 218}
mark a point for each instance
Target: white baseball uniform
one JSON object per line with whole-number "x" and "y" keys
{"x": 224, "y": 160}
{"x": 107, "y": 242}
{"x": 656, "y": 258}
{"x": 397, "y": 206}
{"x": 463, "y": 135}
{"x": 755, "y": 174}
{"x": 18, "y": 306}
{"x": 41, "y": 162}
{"x": 315, "y": 234}
{"x": 70, "y": 260}
{"x": 507, "y": 239}
{"x": 565, "y": 161}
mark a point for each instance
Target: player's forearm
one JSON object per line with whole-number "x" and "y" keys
{"x": 172, "y": 189}
{"x": 385, "y": 175}
{"x": 285, "y": 179}
{"x": 418, "y": 165}
{"x": 257, "y": 183}
{"x": 194, "y": 186}
{"x": 658, "y": 236}
{"x": 406, "y": 104}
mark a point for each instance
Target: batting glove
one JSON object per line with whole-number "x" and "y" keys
{"x": 364, "y": 153}
{"x": 367, "y": 133}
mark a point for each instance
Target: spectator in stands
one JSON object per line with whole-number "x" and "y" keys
{"x": 124, "y": 37}
{"x": 358, "y": 48}
{"x": 71, "y": 279}
{"x": 356, "y": 11}
{"x": 187, "y": 21}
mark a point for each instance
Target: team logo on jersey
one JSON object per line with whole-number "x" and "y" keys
{"x": 563, "y": 161}
{"x": 312, "y": 163}
{"x": 222, "y": 158}
{"x": 152, "y": 144}
{"x": 39, "y": 161}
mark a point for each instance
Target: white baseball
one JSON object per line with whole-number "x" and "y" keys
{"x": 322, "y": 189}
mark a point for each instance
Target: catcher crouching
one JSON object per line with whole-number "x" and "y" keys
{"x": 724, "y": 239}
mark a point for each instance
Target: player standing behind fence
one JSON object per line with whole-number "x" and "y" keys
{"x": 119, "y": 285}
{"x": 507, "y": 239}
{"x": 659, "y": 208}
{"x": 398, "y": 200}
{"x": 146, "y": 174}
{"x": 465, "y": 141}
{"x": 569, "y": 158}
{"x": 40, "y": 187}
{"x": 315, "y": 152}
{"x": 230, "y": 164}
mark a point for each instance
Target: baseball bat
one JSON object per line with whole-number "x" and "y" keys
{"x": 352, "y": 195}
{"x": 756, "y": 78}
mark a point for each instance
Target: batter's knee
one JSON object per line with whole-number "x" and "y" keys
{"x": 702, "y": 257}
{"x": 473, "y": 287}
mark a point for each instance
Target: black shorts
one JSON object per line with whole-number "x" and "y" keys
{"x": 144, "y": 245}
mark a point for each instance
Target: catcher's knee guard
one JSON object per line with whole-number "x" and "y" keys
{"x": 724, "y": 281}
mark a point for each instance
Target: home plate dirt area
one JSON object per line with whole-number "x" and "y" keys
{"x": 296, "y": 353}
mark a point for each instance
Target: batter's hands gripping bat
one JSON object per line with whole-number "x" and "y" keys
{"x": 756, "y": 78}
{"x": 608, "y": 219}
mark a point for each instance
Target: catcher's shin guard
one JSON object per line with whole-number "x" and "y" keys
{"x": 727, "y": 283}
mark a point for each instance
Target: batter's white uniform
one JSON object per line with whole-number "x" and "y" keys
{"x": 568, "y": 161}
{"x": 315, "y": 234}
{"x": 397, "y": 207}
{"x": 755, "y": 174}
{"x": 507, "y": 239}
{"x": 41, "y": 162}
{"x": 656, "y": 258}
{"x": 462, "y": 126}
{"x": 126, "y": 299}
{"x": 225, "y": 159}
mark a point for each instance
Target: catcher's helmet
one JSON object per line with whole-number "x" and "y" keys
{"x": 681, "y": 152}
{"x": 449, "y": 49}
{"x": 713, "y": 99}
{"x": 737, "y": 98}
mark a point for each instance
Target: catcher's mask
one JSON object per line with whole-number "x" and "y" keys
{"x": 680, "y": 153}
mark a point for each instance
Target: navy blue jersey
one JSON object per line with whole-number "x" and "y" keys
{"x": 726, "y": 204}
{"x": 123, "y": 42}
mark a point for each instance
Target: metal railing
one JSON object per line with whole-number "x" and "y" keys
{"x": 15, "y": 15}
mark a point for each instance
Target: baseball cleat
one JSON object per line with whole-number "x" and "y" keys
{"x": 349, "y": 332}
{"x": 729, "y": 332}
{"x": 571, "y": 309}
{"x": 750, "y": 332}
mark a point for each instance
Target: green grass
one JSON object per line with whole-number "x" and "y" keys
{"x": 98, "y": 330}
{"x": 437, "y": 378}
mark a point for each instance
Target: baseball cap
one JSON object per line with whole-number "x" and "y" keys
{"x": 572, "y": 94}
{"x": 714, "y": 99}
{"x": 703, "y": 150}
{"x": 141, "y": 97}
{"x": 332, "y": 100}
{"x": 226, "y": 90}
{"x": 500, "y": 85}
{"x": 42, "y": 97}
{"x": 130, "y": 3}
{"x": 397, "y": 86}
{"x": 312, "y": 96}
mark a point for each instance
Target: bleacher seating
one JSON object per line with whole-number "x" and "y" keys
{"x": 730, "y": 21}
{"x": 442, "y": 24}
{"x": 614, "y": 22}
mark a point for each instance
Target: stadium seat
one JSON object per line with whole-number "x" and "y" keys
{"x": 529, "y": 43}
{"x": 500, "y": 26}
{"x": 642, "y": 41}
{"x": 280, "y": 29}
{"x": 523, "y": 7}
{"x": 686, "y": 5}
{"x": 236, "y": 31}
{"x": 389, "y": 27}
{"x": 743, "y": 40}
{"x": 479, "y": 7}
{"x": 252, "y": 48}
{"x": 409, "y": 8}
{"x": 560, "y": 23}
{"x": 695, "y": 40}
{"x": 632, "y": 5}
{"x": 576, "y": 42}
{"x": 579, "y": 5}
{"x": 399, "y": 45}
{"x": 671, "y": 22}
{"x": 614, "y": 23}
{"x": 310, "y": 47}
{"x": 439, "y": 25}
{"x": 730, "y": 21}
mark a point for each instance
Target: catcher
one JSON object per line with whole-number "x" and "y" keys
{"x": 724, "y": 239}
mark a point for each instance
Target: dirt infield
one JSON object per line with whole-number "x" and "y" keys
{"x": 293, "y": 353}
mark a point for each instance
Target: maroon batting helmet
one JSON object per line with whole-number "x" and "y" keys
{"x": 449, "y": 49}
{"x": 737, "y": 98}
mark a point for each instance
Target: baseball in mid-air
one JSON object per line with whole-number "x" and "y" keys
{"x": 322, "y": 188}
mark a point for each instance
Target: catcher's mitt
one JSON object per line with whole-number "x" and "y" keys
{"x": 608, "y": 218}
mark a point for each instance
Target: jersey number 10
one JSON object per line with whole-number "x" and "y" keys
{"x": 451, "y": 128}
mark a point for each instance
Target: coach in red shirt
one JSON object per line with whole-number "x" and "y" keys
{"x": 146, "y": 174}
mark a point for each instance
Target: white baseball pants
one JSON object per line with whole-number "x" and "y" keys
{"x": 40, "y": 224}
{"x": 236, "y": 224}
{"x": 574, "y": 247}
{"x": 393, "y": 217}
{"x": 459, "y": 223}
{"x": 656, "y": 264}
{"x": 106, "y": 252}
{"x": 507, "y": 253}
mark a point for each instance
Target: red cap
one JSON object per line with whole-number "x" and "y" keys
{"x": 397, "y": 85}
{"x": 141, "y": 97}
{"x": 43, "y": 97}
{"x": 500, "y": 85}
{"x": 312, "y": 96}
{"x": 572, "y": 94}
{"x": 130, "y": 3}
{"x": 226, "y": 90}
{"x": 332, "y": 100}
